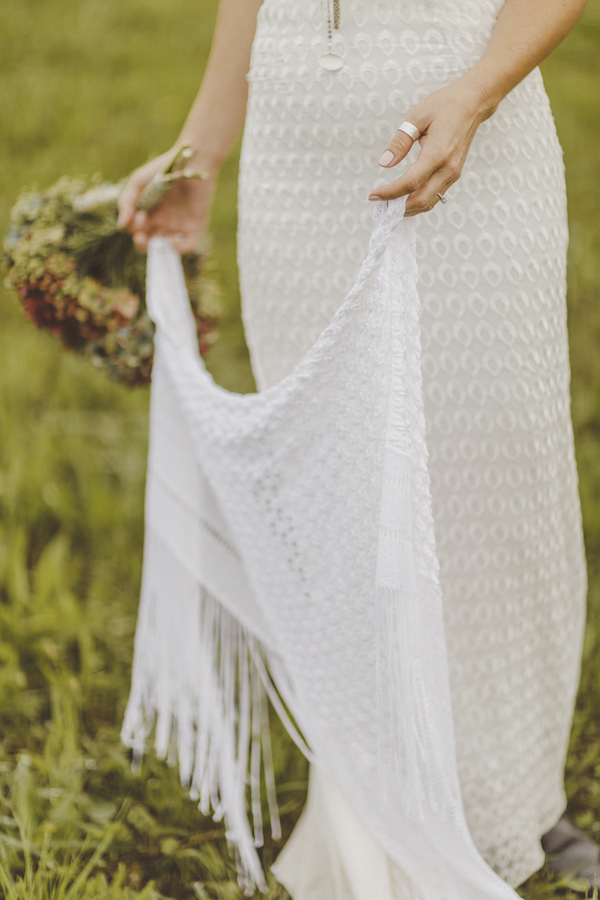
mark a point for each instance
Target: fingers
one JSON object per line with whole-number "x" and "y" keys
{"x": 427, "y": 177}
{"x": 425, "y": 200}
{"x": 413, "y": 179}
{"x": 399, "y": 146}
{"x": 184, "y": 243}
{"x": 138, "y": 180}
{"x": 139, "y": 227}
{"x": 428, "y": 195}
{"x": 175, "y": 218}
{"x": 145, "y": 227}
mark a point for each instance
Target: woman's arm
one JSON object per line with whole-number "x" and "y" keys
{"x": 525, "y": 33}
{"x": 217, "y": 115}
{"x": 212, "y": 126}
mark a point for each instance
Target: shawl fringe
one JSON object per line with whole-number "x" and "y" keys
{"x": 201, "y": 683}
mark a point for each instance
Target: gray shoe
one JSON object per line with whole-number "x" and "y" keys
{"x": 571, "y": 852}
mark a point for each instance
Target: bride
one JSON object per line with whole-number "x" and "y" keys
{"x": 321, "y": 87}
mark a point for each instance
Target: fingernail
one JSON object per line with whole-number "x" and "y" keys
{"x": 375, "y": 197}
{"x": 386, "y": 158}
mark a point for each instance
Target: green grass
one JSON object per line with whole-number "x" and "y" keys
{"x": 100, "y": 85}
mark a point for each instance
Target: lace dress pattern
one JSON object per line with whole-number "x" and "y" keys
{"x": 495, "y": 360}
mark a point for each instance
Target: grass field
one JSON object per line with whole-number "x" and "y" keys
{"x": 99, "y": 85}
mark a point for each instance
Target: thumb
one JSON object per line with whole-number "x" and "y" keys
{"x": 127, "y": 202}
{"x": 128, "y": 199}
{"x": 399, "y": 147}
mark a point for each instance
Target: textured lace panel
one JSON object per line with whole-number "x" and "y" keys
{"x": 494, "y": 366}
{"x": 339, "y": 552}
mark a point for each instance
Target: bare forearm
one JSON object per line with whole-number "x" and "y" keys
{"x": 212, "y": 126}
{"x": 218, "y": 112}
{"x": 525, "y": 33}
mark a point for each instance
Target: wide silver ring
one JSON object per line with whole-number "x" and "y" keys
{"x": 411, "y": 130}
{"x": 442, "y": 198}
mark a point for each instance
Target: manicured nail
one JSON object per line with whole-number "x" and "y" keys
{"x": 386, "y": 158}
{"x": 374, "y": 197}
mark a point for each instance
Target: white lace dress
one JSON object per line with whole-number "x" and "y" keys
{"x": 496, "y": 389}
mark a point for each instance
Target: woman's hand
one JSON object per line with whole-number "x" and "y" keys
{"x": 181, "y": 214}
{"x": 447, "y": 120}
{"x": 526, "y": 31}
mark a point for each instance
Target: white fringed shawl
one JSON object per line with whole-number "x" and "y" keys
{"x": 290, "y": 553}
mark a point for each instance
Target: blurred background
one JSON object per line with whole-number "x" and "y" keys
{"x": 92, "y": 86}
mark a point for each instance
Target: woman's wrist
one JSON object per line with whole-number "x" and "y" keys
{"x": 204, "y": 158}
{"x": 486, "y": 96}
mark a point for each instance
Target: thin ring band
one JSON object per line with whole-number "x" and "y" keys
{"x": 411, "y": 130}
{"x": 442, "y": 198}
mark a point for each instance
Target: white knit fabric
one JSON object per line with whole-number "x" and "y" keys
{"x": 495, "y": 359}
{"x": 317, "y": 492}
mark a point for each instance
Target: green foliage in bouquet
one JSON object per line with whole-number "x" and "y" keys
{"x": 81, "y": 278}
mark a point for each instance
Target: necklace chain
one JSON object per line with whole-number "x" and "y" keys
{"x": 333, "y": 18}
{"x": 331, "y": 61}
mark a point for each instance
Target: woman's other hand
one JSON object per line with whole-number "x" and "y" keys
{"x": 526, "y": 31}
{"x": 180, "y": 215}
{"x": 447, "y": 121}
